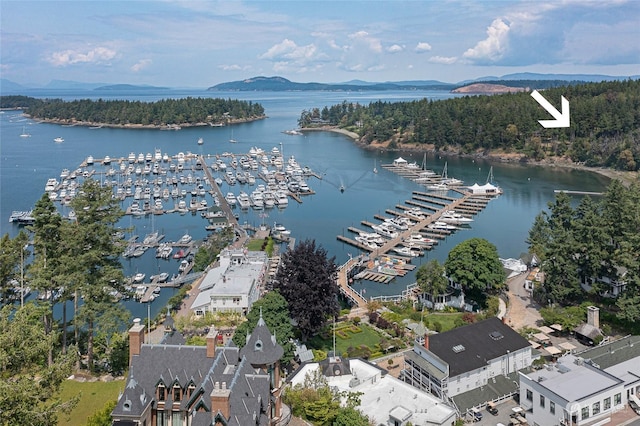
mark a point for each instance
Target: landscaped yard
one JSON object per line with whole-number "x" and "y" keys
{"x": 93, "y": 397}
{"x": 347, "y": 335}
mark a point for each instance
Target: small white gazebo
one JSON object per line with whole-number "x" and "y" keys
{"x": 399, "y": 162}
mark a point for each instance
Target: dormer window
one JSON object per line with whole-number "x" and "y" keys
{"x": 177, "y": 392}
{"x": 190, "y": 390}
{"x": 127, "y": 405}
{"x": 258, "y": 345}
{"x": 161, "y": 392}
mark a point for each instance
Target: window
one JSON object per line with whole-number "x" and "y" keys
{"x": 585, "y": 413}
{"x": 529, "y": 395}
{"x": 176, "y": 393}
{"x": 552, "y": 407}
{"x": 542, "y": 401}
{"x": 607, "y": 403}
{"x": 617, "y": 399}
{"x": 161, "y": 393}
{"x": 595, "y": 408}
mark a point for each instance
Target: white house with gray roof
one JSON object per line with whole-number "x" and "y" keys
{"x": 385, "y": 399}
{"x": 234, "y": 285}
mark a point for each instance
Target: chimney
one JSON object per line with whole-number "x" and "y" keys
{"x": 593, "y": 316}
{"x": 212, "y": 337}
{"x": 136, "y": 338}
{"x": 426, "y": 341}
{"x": 220, "y": 400}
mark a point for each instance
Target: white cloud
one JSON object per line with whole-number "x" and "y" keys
{"x": 290, "y": 51}
{"x": 422, "y": 47}
{"x": 233, "y": 67}
{"x": 99, "y": 55}
{"x": 395, "y": 48}
{"x": 494, "y": 46}
{"x": 142, "y": 64}
{"x": 362, "y": 38}
{"x": 447, "y": 60}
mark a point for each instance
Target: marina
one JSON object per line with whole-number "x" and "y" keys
{"x": 414, "y": 228}
{"x": 320, "y": 216}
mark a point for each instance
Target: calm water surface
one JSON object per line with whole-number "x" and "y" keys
{"x": 27, "y": 163}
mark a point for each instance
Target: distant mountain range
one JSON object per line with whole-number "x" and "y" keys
{"x": 276, "y": 83}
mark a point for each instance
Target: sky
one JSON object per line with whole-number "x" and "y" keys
{"x": 202, "y": 43}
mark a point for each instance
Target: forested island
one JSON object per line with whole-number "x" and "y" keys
{"x": 131, "y": 114}
{"x": 604, "y": 131}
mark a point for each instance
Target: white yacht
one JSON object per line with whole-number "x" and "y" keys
{"x": 230, "y": 198}
{"x": 385, "y": 230}
{"x": 442, "y": 225}
{"x": 451, "y": 216}
{"x": 185, "y": 239}
{"x": 244, "y": 200}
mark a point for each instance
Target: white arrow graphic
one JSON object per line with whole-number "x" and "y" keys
{"x": 561, "y": 119}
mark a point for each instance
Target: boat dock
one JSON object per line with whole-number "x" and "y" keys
{"x": 421, "y": 213}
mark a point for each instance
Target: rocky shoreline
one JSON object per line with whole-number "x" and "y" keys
{"x": 562, "y": 162}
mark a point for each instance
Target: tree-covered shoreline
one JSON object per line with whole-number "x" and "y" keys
{"x": 604, "y": 131}
{"x": 166, "y": 113}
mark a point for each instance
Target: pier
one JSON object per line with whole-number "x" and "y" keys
{"x": 384, "y": 265}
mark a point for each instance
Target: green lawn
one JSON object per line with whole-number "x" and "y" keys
{"x": 368, "y": 337}
{"x": 447, "y": 320}
{"x": 93, "y": 397}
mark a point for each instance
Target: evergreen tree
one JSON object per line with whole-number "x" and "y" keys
{"x": 307, "y": 280}
{"x": 96, "y": 267}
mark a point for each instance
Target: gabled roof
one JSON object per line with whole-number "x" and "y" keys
{"x": 262, "y": 347}
{"x": 473, "y": 346}
{"x": 134, "y": 401}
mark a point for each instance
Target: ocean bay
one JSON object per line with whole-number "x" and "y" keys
{"x": 27, "y": 163}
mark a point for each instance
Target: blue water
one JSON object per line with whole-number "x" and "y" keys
{"x": 27, "y": 163}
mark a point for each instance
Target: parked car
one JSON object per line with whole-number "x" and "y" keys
{"x": 634, "y": 406}
{"x": 491, "y": 407}
{"x": 477, "y": 415}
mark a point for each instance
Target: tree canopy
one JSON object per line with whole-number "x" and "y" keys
{"x": 307, "y": 280}
{"x": 605, "y": 123}
{"x": 474, "y": 265}
{"x": 183, "y": 111}
{"x": 596, "y": 239}
{"x": 431, "y": 278}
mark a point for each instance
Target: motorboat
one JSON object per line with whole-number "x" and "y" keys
{"x": 139, "y": 277}
{"x": 438, "y": 187}
{"x": 132, "y": 158}
{"x": 106, "y": 160}
{"x": 442, "y": 225}
{"x": 230, "y": 198}
{"x": 385, "y": 231}
{"x": 185, "y": 239}
{"x": 180, "y": 254}
{"x": 200, "y": 141}
{"x": 244, "y": 200}
{"x": 184, "y": 264}
{"x": 280, "y": 229}
{"x": 406, "y": 251}
{"x": 59, "y": 139}
{"x": 451, "y": 216}
{"x": 416, "y": 213}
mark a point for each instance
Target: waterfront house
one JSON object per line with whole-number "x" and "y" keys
{"x": 233, "y": 284}
{"x": 179, "y": 385}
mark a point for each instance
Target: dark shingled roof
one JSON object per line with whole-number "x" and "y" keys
{"x": 262, "y": 347}
{"x": 472, "y": 346}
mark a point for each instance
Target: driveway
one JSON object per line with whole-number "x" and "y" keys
{"x": 522, "y": 310}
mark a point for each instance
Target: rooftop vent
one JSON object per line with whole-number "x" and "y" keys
{"x": 496, "y": 335}
{"x": 458, "y": 348}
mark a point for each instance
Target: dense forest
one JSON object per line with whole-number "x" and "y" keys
{"x": 595, "y": 243}
{"x": 604, "y": 131}
{"x": 186, "y": 111}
